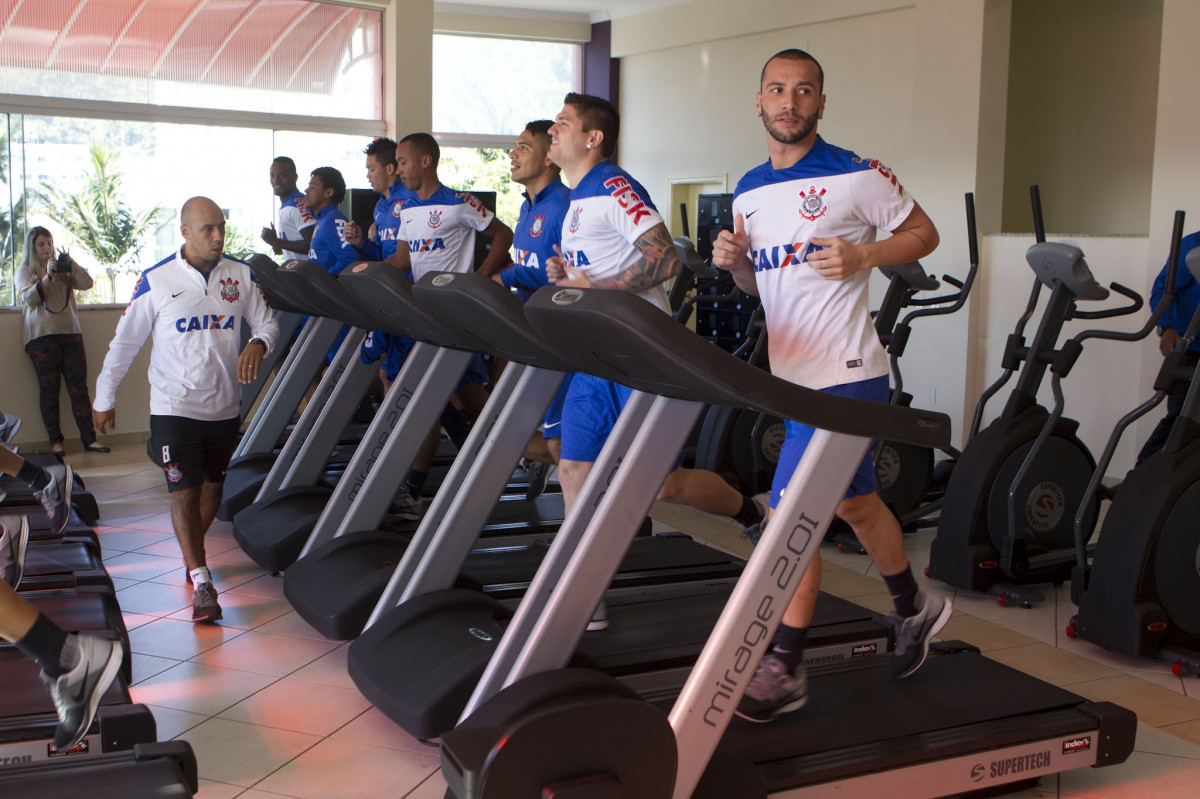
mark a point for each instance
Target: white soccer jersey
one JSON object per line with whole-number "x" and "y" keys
{"x": 819, "y": 331}
{"x": 609, "y": 211}
{"x": 196, "y": 320}
{"x": 441, "y": 231}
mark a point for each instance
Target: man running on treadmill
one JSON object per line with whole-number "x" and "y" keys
{"x": 614, "y": 238}
{"x": 296, "y": 224}
{"x": 437, "y": 234}
{"x": 538, "y": 232}
{"x": 380, "y": 242}
{"x": 804, "y": 241}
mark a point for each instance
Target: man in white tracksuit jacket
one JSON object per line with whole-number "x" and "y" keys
{"x": 194, "y": 303}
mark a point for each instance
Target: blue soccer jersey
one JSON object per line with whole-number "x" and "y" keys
{"x": 329, "y": 247}
{"x": 609, "y": 212}
{"x": 387, "y": 219}
{"x": 441, "y": 231}
{"x": 539, "y": 228}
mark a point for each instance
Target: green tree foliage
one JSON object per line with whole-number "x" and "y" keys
{"x": 12, "y": 225}
{"x": 483, "y": 169}
{"x": 98, "y": 216}
{"x": 239, "y": 243}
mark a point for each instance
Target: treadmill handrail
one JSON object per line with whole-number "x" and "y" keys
{"x": 478, "y": 307}
{"x": 621, "y": 337}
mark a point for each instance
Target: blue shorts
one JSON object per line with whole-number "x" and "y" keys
{"x": 394, "y": 350}
{"x": 589, "y": 415}
{"x": 552, "y": 424}
{"x": 798, "y": 435}
{"x": 476, "y": 373}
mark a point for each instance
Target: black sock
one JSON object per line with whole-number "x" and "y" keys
{"x": 416, "y": 482}
{"x": 789, "y": 645}
{"x": 44, "y": 643}
{"x": 750, "y": 513}
{"x": 33, "y": 476}
{"x": 903, "y": 588}
{"x": 457, "y": 425}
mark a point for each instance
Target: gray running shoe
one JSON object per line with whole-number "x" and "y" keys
{"x": 77, "y": 693}
{"x": 204, "y": 603}
{"x": 14, "y": 540}
{"x": 773, "y": 690}
{"x": 56, "y": 496}
{"x": 406, "y": 506}
{"x": 913, "y": 633}
{"x": 599, "y": 618}
{"x": 9, "y": 425}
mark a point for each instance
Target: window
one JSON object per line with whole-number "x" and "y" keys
{"x": 51, "y": 167}
{"x": 197, "y": 98}
{"x": 485, "y": 91}
{"x": 495, "y": 86}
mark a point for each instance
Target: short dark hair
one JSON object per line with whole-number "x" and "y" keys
{"x": 383, "y": 149}
{"x": 424, "y": 144}
{"x": 283, "y": 159}
{"x": 795, "y": 54}
{"x": 331, "y": 179}
{"x": 597, "y": 114}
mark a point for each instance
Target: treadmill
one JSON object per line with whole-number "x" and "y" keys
{"x": 962, "y": 723}
{"x": 255, "y": 457}
{"x": 277, "y": 527}
{"x": 655, "y": 631}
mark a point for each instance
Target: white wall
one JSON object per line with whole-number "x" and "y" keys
{"x": 923, "y": 85}
{"x": 913, "y": 84}
{"x": 20, "y": 392}
{"x": 1083, "y": 91}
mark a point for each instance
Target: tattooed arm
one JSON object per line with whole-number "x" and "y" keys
{"x": 659, "y": 262}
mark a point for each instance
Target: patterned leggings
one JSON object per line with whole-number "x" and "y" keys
{"x": 56, "y": 358}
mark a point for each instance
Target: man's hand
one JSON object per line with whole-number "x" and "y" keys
{"x": 1168, "y": 340}
{"x": 574, "y": 278}
{"x": 555, "y": 266}
{"x": 353, "y": 234}
{"x": 838, "y": 260}
{"x": 730, "y": 249}
{"x": 270, "y": 237}
{"x": 249, "y": 360}
{"x": 104, "y": 421}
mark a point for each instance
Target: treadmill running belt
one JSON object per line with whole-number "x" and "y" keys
{"x": 853, "y": 707}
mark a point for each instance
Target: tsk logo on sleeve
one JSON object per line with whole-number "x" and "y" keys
{"x": 782, "y": 255}
{"x": 627, "y": 198}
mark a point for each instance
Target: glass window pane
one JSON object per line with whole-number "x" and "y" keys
{"x": 496, "y": 86}
{"x": 483, "y": 169}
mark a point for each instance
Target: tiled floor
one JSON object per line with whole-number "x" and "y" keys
{"x": 270, "y": 711}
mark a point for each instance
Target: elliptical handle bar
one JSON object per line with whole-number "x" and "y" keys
{"x": 1159, "y": 310}
{"x": 1124, "y": 310}
{"x": 964, "y": 288}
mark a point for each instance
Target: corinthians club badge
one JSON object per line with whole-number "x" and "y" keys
{"x": 812, "y": 204}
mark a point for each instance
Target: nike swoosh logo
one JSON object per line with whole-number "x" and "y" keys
{"x": 176, "y": 294}
{"x": 752, "y": 213}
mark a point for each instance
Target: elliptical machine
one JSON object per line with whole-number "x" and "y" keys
{"x": 974, "y": 530}
{"x": 1139, "y": 595}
